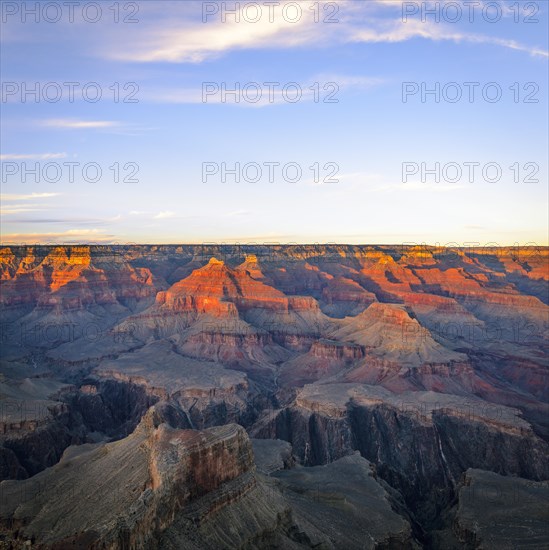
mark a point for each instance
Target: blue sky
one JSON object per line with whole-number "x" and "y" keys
{"x": 169, "y": 131}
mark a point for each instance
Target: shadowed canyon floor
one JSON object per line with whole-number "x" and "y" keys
{"x": 330, "y": 397}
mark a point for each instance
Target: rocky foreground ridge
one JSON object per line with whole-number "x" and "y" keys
{"x": 274, "y": 397}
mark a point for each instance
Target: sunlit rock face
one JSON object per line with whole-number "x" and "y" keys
{"x": 219, "y": 290}
{"x": 403, "y": 379}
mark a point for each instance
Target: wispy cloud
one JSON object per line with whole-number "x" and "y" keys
{"x": 327, "y": 87}
{"x": 31, "y": 196}
{"x": 181, "y": 39}
{"x": 24, "y": 206}
{"x": 20, "y": 209}
{"x": 62, "y": 220}
{"x": 71, "y": 236}
{"x": 398, "y": 31}
{"x": 163, "y": 215}
{"x": 31, "y": 156}
{"x": 78, "y": 124}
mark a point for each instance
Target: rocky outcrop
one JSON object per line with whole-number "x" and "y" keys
{"x": 428, "y": 361}
{"x": 133, "y": 488}
{"x": 391, "y": 333}
{"x": 71, "y": 277}
{"x": 324, "y": 358}
{"x": 41, "y": 417}
{"x": 326, "y": 349}
{"x": 165, "y": 487}
{"x": 342, "y": 296}
{"x": 35, "y": 426}
{"x": 359, "y": 511}
{"x": 272, "y": 455}
{"x": 491, "y": 512}
{"x": 418, "y": 441}
{"x": 208, "y": 394}
{"x": 216, "y": 288}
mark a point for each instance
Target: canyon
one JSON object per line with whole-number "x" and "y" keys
{"x": 274, "y": 396}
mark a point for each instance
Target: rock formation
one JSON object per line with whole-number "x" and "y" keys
{"x": 389, "y": 391}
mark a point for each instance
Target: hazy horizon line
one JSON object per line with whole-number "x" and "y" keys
{"x": 406, "y": 244}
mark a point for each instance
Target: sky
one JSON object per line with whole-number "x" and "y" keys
{"x": 360, "y": 122}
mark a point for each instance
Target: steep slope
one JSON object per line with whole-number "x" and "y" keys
{"x": 165, "y": 487}
{"x": 417, "y": 440}
{"x": 431, "y": 363}
{"x": 391, "y": 333}
{"x": 133, "y": 487}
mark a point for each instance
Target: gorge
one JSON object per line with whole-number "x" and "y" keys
{"x": 274, "y": 396}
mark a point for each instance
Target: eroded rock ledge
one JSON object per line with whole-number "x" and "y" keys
{"x": 166, "y": 487}
{"x": 124, "y": 494}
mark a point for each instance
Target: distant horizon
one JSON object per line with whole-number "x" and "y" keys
{"x": 405, "y": 244}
